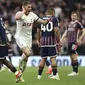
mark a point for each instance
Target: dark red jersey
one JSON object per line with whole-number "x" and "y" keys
{"x": 72, "y": 30}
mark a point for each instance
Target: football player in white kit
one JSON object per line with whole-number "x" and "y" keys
{"x": 23, "y": 36}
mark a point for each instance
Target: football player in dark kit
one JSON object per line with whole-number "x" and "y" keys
{"x": 72, "y": 34}
{"x": 47, "y": 35}
{"x": 10, "y": 49}
{"x": 4, "y": 52}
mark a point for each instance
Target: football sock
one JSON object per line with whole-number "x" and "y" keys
{"x": 75, "y": 66}
{"x": 54, "y": 71}
{"x": 40, "y": 70}
{"x": 13, "y": 69}
{"x": 23, "y": 62}
{"x": 22, "y": 65}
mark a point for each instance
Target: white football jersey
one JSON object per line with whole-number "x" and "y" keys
{"x": 24, "y": 25}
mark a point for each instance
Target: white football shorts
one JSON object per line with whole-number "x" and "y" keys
{"x": 24, "y": 42}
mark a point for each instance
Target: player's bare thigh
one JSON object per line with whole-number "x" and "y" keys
{"x": 26, "y": 51}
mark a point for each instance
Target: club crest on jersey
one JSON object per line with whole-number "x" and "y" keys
{"x": 31, "y": 20}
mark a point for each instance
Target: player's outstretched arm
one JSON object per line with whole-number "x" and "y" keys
{"x": 41, "y": 21}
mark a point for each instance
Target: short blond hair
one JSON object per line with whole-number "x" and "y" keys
{"x": 50, "y": 11}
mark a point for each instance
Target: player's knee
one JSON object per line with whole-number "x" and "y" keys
{"x": 74, "y": 61}
{"x": 26, "y": 59}
{"x": 53, "y": 64}
{"x": 2, "y": 60}
{"x": 73, "y": 58}
{"x": 53, "y": 61}
{"x": 27, "y": 53}
{"x": 42, "y": 62}
{"x": 44, "y": 59}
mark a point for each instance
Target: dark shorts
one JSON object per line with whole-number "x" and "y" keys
{"x": 70, "y": 49}
{"x": 47, "y": 51}
{"x": 3, "y": 52}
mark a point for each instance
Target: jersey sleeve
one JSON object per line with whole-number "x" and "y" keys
{"x": 2, "y": 33}
{"x": 35, "y": 17}
{"x": 80, "y": 26}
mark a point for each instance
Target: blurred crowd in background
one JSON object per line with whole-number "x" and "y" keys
{"x": 63, "y": 9}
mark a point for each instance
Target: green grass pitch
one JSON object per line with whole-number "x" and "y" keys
{"x": 30, "y": 76}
